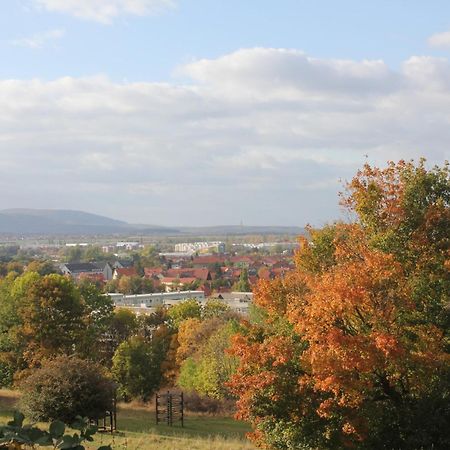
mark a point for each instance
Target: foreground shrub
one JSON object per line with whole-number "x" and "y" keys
{"x": 15, "y": 435}
{"x": 65, "y": 388}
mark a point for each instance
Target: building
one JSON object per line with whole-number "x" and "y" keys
{"x": 147, "y": 303}
{"x": 200, "y": 247}
{"x": 124, "y": 271}
{"x": 237, "y": 301}
{"x": 128, "y": 245}
{"x": 77, "y": 269}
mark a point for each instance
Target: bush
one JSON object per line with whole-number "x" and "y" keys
{"x": 201, "y": 404}
{"x": 15, "y": 435}
{"x": 65, "y": 388}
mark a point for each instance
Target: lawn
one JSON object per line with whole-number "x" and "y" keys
{"x": 137, "y": 429}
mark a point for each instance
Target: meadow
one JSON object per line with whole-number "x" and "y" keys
{"x": 137, "y": 429}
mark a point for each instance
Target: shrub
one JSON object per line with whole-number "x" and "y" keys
{"x": 202, "y": 404}
{"x": 65, "y": 388}
{"x": 15, "y": 435}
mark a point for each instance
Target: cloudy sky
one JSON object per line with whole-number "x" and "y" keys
{"x": 207, "y": 112}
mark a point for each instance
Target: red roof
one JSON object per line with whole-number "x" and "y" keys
{"x": 150, "y": 272}
{"x": 200, "y": 274}
{"x": 91, "y": 276}
{"x": 128, "y": 271}
{"x": 167, "y": 280}
{"x": 208, "y": 260}
{"x": 240, "y": 259}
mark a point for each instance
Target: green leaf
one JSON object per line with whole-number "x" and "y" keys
{"x": 105, "y": 447}
{"x": 57, "y": 428}
{"x": 17, "y": 420}
{"x": 68, "y": 442}
{"x": 91, "y": 430}
{"x": 44, "y": 440}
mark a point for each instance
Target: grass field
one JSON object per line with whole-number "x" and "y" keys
{"x": 137, "y": 430}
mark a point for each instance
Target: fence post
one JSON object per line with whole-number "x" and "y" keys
{"x": 182, "y": 410}
{"x": 168, "y": 408}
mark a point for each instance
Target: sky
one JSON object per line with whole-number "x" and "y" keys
{"x": 213, "y": 112}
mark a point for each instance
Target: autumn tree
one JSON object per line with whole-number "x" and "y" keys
{"x": 51, "y": 315}
{"x": 42, "y": 267}
{"x": 207, "y": 366}
{"x": 352, "y": 348}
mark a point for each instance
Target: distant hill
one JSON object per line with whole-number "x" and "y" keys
{"x": 60, "y": 221}
{"x": 69, "y": 222}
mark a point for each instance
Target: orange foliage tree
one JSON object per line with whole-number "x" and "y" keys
{"x": 352, "y": 348}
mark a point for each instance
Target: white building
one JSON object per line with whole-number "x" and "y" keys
{"x": 237, "y": 301}
{"x": 128, "y": 245}
{"x": 200, "y": 247}
{"x": 147, "y": 303}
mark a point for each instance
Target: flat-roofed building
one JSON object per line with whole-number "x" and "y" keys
{"x": 147, "y": 303}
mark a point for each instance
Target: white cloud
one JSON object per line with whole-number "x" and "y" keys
{"x": 261, "y": 135}
{"x": 440, "y": 39}
{"x": 105, "y": 11}
{"x": 284, "y": 70}
{"x": 39, "y": 40}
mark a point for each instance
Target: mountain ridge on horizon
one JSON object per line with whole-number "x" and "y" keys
{"x": 67, "y": 221}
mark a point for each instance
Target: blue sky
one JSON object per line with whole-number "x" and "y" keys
{"x": 151, "y": 110}
{"x": 143, "y": 48}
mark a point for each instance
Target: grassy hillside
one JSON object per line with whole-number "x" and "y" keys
{"x": 137, "y": 430}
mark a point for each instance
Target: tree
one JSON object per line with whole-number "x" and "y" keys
{"x": 215, "y": 308}
{"x": 124, "y": 324}
{"x": 65, "y": 388}
{"x": 208, "y": 368}
{"x": 243, "y": 285}
{"x": 190, "y": 308}
{"x": 74, "y": 254}
{"x": 137, "y": 368}
{"x": 51, "y": 316}
{"x": 352, "y": 348}
{"x": 94, "y": 253}
{"x": 98, "y": 318}
{"x": 41, "y": 267}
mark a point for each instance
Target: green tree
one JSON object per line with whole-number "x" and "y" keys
{"x": 215, "y": 308}
{"x": 184, "y": 310}
{"x": 210, "y": 368}
{"x": 123, "y": 325}
{"x": 74, "y": 254}
{"x": 243, "y": 285}
{"x": 94, "y": 253}
{"x": 98, "y": 318}
{"x": 137, "y": 368}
